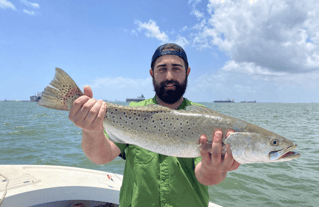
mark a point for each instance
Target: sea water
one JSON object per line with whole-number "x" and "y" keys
{"x": 33, "y": 135}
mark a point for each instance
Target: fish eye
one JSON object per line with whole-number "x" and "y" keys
{"x": 274, "y": 142}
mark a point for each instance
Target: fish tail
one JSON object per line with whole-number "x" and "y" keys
{"x": 61, "y": 93}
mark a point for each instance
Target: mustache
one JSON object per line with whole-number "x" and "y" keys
{"x": 164, "y": 83}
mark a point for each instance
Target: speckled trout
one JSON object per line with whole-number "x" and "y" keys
{"x": 176, "y": 132}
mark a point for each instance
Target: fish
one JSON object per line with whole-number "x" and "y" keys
{"x": 176, "y": 132}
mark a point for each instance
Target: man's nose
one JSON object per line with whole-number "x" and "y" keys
{"x": 169, "y": 75}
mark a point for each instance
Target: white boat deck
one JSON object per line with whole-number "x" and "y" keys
{"x": 42, "y": 185}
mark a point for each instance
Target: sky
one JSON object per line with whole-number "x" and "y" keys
{"x": 263, "y": 50}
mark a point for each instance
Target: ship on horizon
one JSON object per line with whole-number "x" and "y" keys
{"x": 225, "y": 101}
{"x": 139, "y": 98}
{"x": 36, "y": 97}
{"x": 248, "y": 101}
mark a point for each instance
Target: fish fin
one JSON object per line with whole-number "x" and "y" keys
{"x": 200, "y": 109}
{"x": 62, "y": 92}
{"x": 155, "y": 107}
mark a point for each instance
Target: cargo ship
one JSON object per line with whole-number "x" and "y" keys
{"x": 37, "y": 97}
{"x": 248, "y": 101}
{"x": 225, "y": 101}
{"x": 139, "y": 98}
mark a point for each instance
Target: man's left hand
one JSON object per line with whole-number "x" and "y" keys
{"x": 214, "y": 166}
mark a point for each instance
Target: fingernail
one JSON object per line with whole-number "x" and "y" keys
{"x": 218, "y": 136}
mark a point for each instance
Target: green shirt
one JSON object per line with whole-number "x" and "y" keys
{"x": 151, "y": 179}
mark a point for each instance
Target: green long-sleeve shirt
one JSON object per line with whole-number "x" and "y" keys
{"x": 153, "y": 180}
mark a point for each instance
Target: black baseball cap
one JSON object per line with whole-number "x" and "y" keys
{"x": 169, "y": 49}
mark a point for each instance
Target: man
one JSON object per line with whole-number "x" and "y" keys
{"x": 152, "y": 179}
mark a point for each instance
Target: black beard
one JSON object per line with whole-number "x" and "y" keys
{"x": 170, "y": 96}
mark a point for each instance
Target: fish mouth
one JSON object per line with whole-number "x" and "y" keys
{"x": 284, "y": 155}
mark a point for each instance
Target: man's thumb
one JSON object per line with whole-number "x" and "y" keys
{"x": 88, "y": 91}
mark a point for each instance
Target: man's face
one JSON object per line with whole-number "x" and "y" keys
{"x": 169, "y": 78}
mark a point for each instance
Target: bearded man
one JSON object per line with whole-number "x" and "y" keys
{"x": 152, "y": 179}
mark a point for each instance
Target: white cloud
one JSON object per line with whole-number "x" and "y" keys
{"x": 181, "y": 41}
{"x": 152, "y": 30}
{"x": 184, "y": 29}
{"x": 29, "y": 12}
{"x": 223, "y": 84}
{"x": 199, "y": 15}
{"x": 6, "y": 4}
{"x": 33, "y": 5}
{"x": 266, "y": 38}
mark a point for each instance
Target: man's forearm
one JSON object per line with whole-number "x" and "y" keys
{"x": 97, "y": 147}
{"x": 206, "y": 177}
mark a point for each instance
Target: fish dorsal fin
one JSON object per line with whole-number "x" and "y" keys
{"x": 155, "y": 107}
{"x": 200, "y": 109}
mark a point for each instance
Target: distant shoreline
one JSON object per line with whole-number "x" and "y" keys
{"x": 196, "y": 102}
{"x": 15, "y": 101}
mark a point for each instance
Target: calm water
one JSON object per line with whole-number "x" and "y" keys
{"x": 34, "y": 135}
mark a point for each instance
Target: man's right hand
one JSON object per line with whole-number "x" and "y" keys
{"x": 88, "y": 113}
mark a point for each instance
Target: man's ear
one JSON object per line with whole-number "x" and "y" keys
{"x": 188, "y": 71}
{"x": 151, "y": 72}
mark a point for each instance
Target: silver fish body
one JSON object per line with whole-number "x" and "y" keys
{"x": 176, "y": 132}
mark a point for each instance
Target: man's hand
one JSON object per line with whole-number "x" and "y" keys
{"x": 88, "y": 113}
{"x": 214, "y": 166}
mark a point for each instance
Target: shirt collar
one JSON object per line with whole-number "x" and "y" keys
{"x": 182, "y": 106}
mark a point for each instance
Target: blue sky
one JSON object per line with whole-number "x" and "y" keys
{"x": 264, "y": 50}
